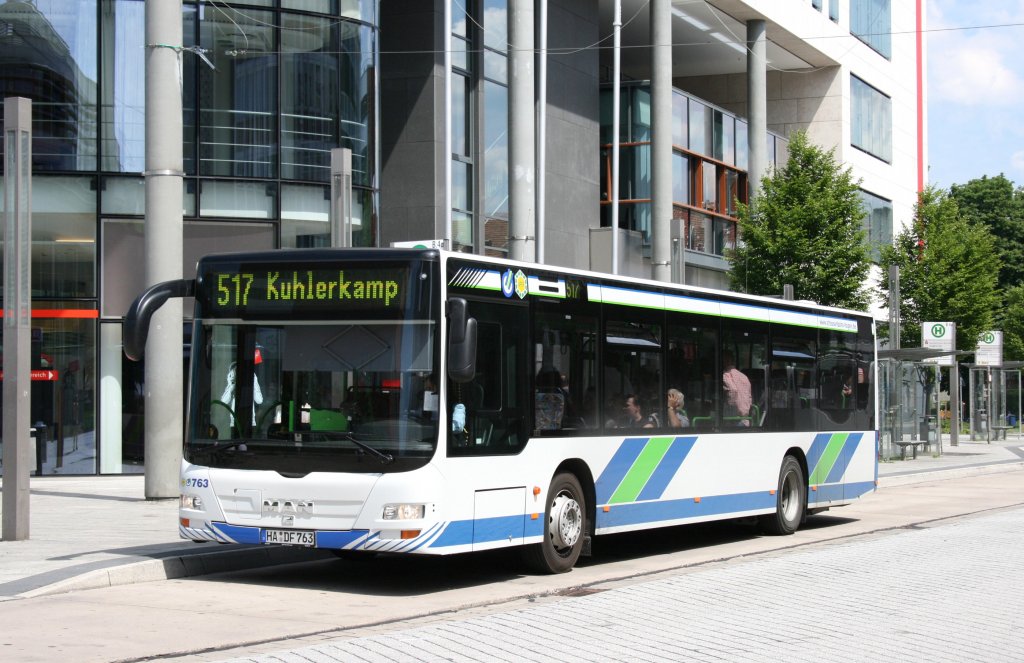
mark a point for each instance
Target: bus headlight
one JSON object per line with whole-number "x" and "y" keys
{"x": 404, "y": 511}
{"x": 193, "y": 502}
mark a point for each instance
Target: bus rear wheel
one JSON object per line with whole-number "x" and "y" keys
{"x": 565, "y": 528}
{"x": 790, "y": 500}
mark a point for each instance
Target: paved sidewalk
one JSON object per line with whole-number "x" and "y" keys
{"x": 89, "y": 532}
{"x": 854, "y": 600}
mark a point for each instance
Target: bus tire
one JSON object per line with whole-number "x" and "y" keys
{"x": 790, "y": 500}
{"x": 565, "y": 530}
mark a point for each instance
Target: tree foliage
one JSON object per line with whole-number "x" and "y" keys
{"x": 1012, "y": 324}
{"x": 949, "y": 269}
{"x": 805, "y": 228}
{"x": 997, "y": 204}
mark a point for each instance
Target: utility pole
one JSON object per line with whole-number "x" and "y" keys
{"x": 163, "y": 246}
{"x": 522, "y": 132}
{"x": 17, "y": 455}
{"x": 341, "y": 196}
{"x": 661, "y": 139}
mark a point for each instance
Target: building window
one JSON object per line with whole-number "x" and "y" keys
{"x": 871, "y": 22}
{"x": 494, "y": 147}
{"x": 877, "y": 222}
{"x": 480, "y": 127}
{"x": 871, "y": 120}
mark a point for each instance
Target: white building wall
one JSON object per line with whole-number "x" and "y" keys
{"x": 818, "y": 99}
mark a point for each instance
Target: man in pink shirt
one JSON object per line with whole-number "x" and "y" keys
{"x": 737, "y": 389}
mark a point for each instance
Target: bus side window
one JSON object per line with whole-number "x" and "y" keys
{"x": 492, "y": 402}
{"x": 563, "y": 368}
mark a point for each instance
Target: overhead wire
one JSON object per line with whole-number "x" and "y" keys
{"x": 223, "y": 7}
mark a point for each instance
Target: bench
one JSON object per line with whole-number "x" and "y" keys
{"x": 903, "y": 444}
{"x": 1000, "y": 430}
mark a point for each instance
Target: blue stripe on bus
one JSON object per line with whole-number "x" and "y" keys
{"x": 839, "y": 469}
{"x": 428, "y": 538}
{"x": 848, "y": 491}
{"x": 667, "y": 468}
{"x": 338, "y": 539}
{"x": 485, "y": 530}
{"x": 457, "y": 533}
{"x": 467, "y": 532}
{"x": 497, "y": 528}
{"x": 653, "y": 512}
{"x": 817, "y": 449}
{"x": 618, "y": 467}
{"x": 239, "y": 534}
{"x": 412, "y": 544}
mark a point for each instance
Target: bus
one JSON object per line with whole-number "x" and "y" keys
{"x": 419, "y": 401}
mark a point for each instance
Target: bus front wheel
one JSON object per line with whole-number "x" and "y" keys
{"x": 790, "y": 500}
{"x": 565, "y": 528}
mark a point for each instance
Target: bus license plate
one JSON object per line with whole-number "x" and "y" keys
{"x": 289, "y": 537}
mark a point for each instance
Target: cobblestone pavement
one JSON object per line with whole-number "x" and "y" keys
{"x": 951, "y": 591}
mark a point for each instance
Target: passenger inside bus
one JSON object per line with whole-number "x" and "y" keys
{"x": 737, "y": 390}
{"x": 634, "y": 416}
{"x": 677, "y": 417}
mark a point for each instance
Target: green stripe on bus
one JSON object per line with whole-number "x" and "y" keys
{"x": 828, "y": 458}
{"x": 640, "y": 473}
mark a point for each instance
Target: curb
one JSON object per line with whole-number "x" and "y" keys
{"x": 940, "y": 474}
{"x": 185, "y": 565}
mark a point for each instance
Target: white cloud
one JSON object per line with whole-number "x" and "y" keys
{"x": 975, "y": 75}
{"x": 1017, "y": 162}
{"x": 979, "y": 67}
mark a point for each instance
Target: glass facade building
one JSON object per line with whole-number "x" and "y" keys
{"x": 278, "y": 85}
{"x": 709, "y": 168}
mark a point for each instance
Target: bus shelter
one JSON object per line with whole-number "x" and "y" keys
{"x": 909, "y": 400}
{"x": 994, "y": 400}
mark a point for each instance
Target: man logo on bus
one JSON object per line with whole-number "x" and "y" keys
{"x": 938, "y": 331}
{"x": 521, "y": 285}
{"x": 507, "y": 283}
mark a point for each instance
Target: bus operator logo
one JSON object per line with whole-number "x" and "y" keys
{"x": 507, "y": 283}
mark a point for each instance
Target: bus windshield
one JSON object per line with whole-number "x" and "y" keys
{"x": 312, "y": 386}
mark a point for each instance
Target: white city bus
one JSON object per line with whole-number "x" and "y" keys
{"x": 427, "y": 402}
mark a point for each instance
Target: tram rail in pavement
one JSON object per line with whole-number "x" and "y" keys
{"x": 99, "y": 531}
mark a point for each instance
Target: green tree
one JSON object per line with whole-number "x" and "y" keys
{"x": 949, "y": 270}
{"x": 805, "y": 228}
{"x": 1012, "y": 324}
{"x": 995, "y": 202}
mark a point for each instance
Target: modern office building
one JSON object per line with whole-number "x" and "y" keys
{"x": 428, "y": 95}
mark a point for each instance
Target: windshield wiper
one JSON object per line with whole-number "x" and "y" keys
{"x": 383, "y": 456}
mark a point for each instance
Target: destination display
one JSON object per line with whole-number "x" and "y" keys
{"x": 255, "y": 289}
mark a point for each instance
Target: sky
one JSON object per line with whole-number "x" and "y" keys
{"x": 975, "y": 90}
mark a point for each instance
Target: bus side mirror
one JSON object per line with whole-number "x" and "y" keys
{"x": 461, "y": 342}
{"x": 136, "y": 321}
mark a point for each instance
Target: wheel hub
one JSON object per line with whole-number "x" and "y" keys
{"x": 566, "y": 522}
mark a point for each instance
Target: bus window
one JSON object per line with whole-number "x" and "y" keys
{"x": 493, "y": 400}
{"x": 690, "y": 369}
{"x": 742, "y": 375}
{"x": 838, "y": 379}
{"x": 564, "y": 369}
{"x": 634, "y": 395}
{"x": 792, "y": 397}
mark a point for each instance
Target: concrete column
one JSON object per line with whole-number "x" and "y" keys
{"x": 522, "y": 132}
{"x": 661, "y": 140}
{"x": 163, "y": 246}
{"x": 757, "y": 104}
{"x": 18, "y": 450}
{"x": 341, "y": 197}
